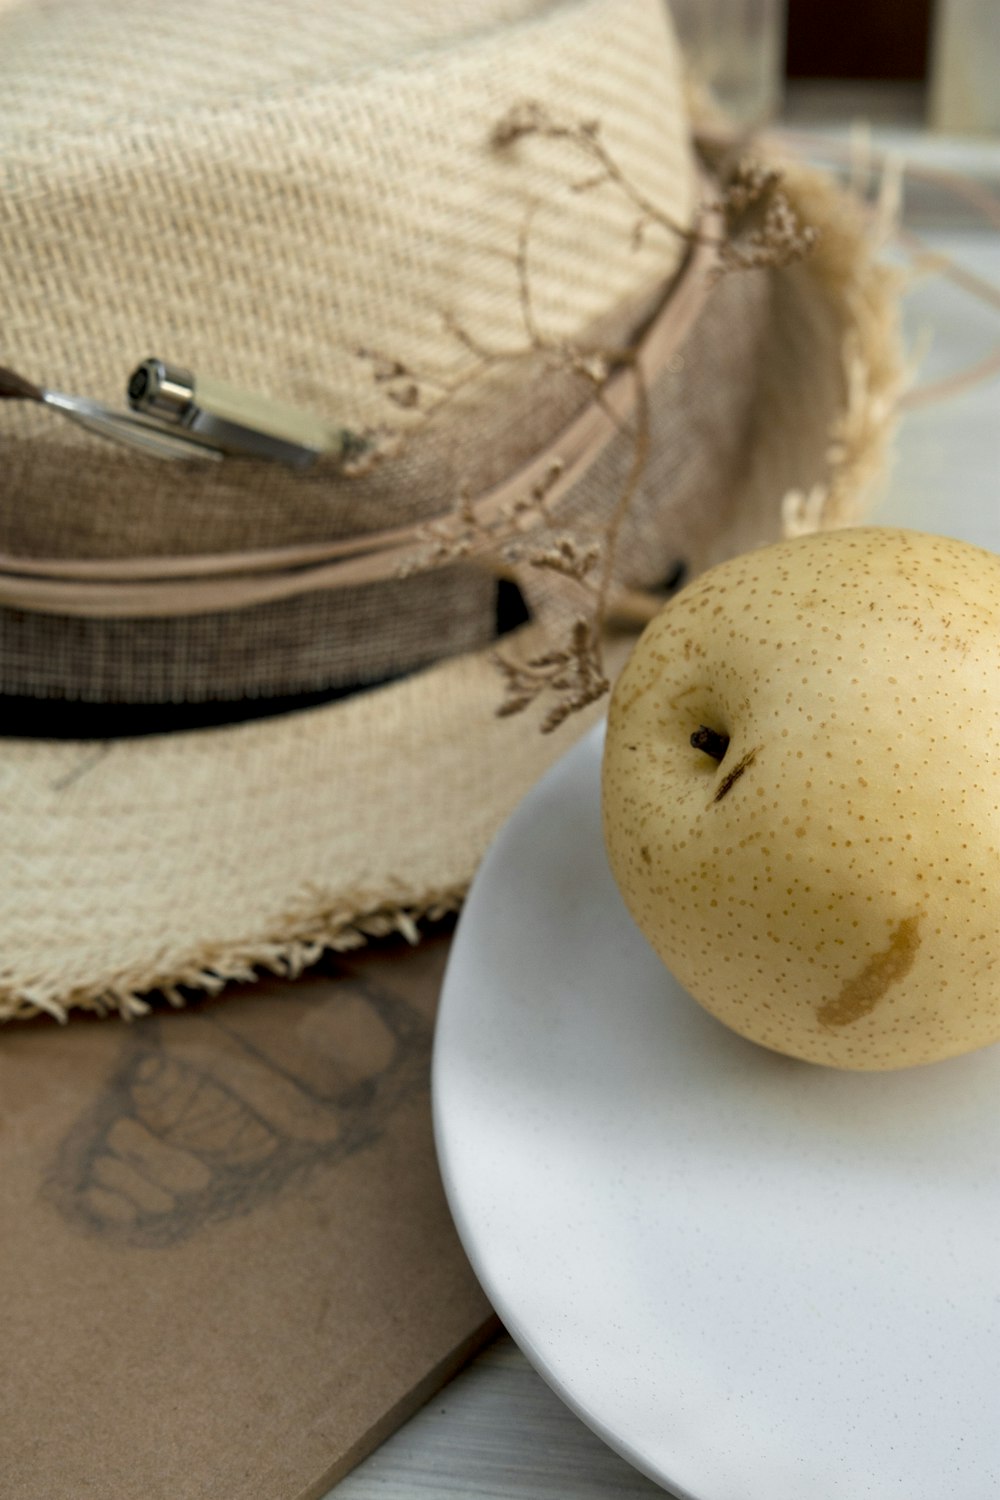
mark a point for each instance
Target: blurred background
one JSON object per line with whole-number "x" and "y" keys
{"x": 932, "y": 63}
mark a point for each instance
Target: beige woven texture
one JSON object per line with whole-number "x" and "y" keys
{"x": 276, "y": 192}
{"x": 260, "y": 203}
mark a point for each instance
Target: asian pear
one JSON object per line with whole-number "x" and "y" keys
{"x": 801, "y": 795}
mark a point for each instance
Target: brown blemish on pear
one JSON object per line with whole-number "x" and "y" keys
{"x": 731, "y": 777}
{"x": 860, "y": 995}
{"x": 715, "y": 742}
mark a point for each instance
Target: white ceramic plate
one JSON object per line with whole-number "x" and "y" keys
{"x": 756, "y": 1279}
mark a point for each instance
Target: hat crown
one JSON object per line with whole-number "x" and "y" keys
{"x": 257, "y": 192}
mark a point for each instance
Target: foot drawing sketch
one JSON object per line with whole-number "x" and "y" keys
{"x": 208, "y": 1114}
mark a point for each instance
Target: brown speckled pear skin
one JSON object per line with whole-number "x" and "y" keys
{"x": 830, "y": 886}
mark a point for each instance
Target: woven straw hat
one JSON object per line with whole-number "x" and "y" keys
{"x": 250, "y": 711}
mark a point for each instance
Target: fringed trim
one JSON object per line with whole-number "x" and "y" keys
{"x": 337, "y": 927}
{"x": 876, "y": 373}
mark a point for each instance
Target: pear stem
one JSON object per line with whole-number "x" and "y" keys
{"x": 711, "y": 741}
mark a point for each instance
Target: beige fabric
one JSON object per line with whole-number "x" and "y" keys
{"x": 337, "y": 189}
{"x": 250, "y": 845}
{"x": 260, "y": 195}
{"x": 168, "y": 585}
{"x": 273, "y": 191}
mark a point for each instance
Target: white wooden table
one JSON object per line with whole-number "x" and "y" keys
{"x": 497, "y": 1430}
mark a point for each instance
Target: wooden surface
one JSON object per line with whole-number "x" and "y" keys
{"x": 497, "y": 1430}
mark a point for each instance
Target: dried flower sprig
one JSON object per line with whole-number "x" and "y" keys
{"x": 530, "y": 117}
{"x": 567, "y": 557}
{"x": 573, "y": 672}
{"x": 464, "y": 532}
{"x": 761, "y": 228}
